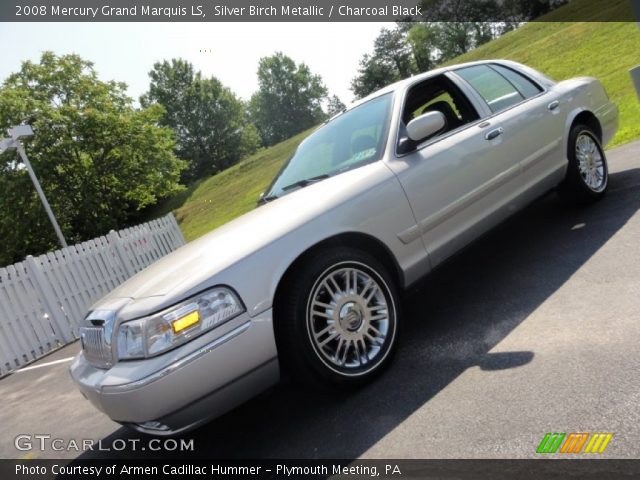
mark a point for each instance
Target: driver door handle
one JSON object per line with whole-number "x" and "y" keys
{"x": 491, "y": 134}
{"x": 553, "y": 105}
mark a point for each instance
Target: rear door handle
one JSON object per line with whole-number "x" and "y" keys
{"x": 496, "y": 132}
{"x": 553, "y": 105}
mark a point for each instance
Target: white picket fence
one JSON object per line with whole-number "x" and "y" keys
{"x": 43, "y": 299}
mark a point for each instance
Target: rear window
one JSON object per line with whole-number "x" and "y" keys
{"x": 496, "y": 90}
{"x": 525, "y": 86}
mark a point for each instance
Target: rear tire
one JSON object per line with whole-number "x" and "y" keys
{"x": 587, "y": 175}
{"x": 336, "y": 321}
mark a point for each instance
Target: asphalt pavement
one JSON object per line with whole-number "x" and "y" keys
{"x": 533, "y": 329}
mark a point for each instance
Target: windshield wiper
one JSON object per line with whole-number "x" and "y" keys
{"x": 305, "y": 182}
{"x": 298, "y": 184}
{"x": 266, "y": 199}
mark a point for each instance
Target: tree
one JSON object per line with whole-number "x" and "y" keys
{"x": 391, "y": 48}
{"x": 457, "y": 38}
{"x": 288, "y": 100}
{"x": 207, "y": 118}
{"x": 466, "y": 24}
{"x": 412, "y": 48}
{"x": 454, "y": 28}
{"x": 423, "y": 38}
{"x": 392, "y": 60}
{"x": 99, "y": 159}
{"x": 372, "y": 75}
{"x": 334, "y": 106}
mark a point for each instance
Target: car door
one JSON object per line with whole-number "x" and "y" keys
{"x": 531, "y": 122}
{"x": 454, "y": 180}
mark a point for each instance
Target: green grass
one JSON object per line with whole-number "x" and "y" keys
{"x": 560, "y": 50}
{"x": 222, "y": 197}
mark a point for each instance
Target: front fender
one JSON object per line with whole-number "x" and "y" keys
{"x": 381, "y": 212}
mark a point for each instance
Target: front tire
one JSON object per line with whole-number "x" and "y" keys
{"x": 587, "y": 175}
{"x": 337, "y": 319}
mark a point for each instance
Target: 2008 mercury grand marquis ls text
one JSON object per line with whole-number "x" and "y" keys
{"x": 369, "y": 203}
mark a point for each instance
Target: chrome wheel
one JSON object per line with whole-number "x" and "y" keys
{"x": 590, "y": 162}
{"x": 350, "y": 319}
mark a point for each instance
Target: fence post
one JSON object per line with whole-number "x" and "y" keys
{"x": 48, "y": 297}
{"x": 115, "y": 241}
{"x": 173, "y": 221}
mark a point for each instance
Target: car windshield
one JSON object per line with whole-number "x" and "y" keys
{"x": 348, "y": 141}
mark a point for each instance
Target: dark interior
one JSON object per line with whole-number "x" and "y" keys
{"x": 435, "y": 94}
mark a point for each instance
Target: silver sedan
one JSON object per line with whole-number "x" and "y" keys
{"x": 308, "y": 283}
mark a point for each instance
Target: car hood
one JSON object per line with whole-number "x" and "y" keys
{"x": 195, "y": 262}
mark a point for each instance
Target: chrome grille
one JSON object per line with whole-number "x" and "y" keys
{"x": 96, "y": 350}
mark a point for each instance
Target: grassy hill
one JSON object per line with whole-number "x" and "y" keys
{"x": 561, "y": 50}
{"x": 222, "y": 197}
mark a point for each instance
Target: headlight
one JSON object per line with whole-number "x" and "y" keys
{"x": 177, "y": 325}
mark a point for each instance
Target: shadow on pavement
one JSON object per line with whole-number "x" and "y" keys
{"x": 452, "y": 320}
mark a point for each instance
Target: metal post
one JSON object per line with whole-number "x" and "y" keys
{"x": 635, "y": 78}
{"x": 635, "y": 71}
{"x": 43, "y": 199}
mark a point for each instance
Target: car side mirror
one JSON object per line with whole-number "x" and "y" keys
{"x": 425, "y": 125}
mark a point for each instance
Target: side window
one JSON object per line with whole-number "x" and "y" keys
{"x": 437, "y": 94}
{"x": 525, "y": 86}
{"x": 441, "y": 95}
{"x": 496, "y": 90}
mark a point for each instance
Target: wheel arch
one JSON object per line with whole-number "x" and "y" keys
{"x": 358, "y": 240}
{"x": 572, "y": 188}
{"x": 588, "y": 118}
{"x": 583, "y": 116}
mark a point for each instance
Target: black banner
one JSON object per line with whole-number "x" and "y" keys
{"x": 319, "y": 469}
{"x": 318, "y": 10}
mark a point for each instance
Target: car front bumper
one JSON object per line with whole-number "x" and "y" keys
{"x": 190, "y": 385}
